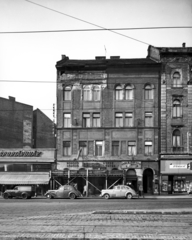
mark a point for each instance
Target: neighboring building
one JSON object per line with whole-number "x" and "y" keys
{"x": 22, "y": 162}
{"x": 108, "y": 122}
{"x": 176, "y": 119}
{"x": 43, "y": 130}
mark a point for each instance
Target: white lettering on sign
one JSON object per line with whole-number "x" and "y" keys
{"x": 173, "y": 166}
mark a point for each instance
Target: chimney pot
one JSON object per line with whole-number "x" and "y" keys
{"x": 184, "y": 45}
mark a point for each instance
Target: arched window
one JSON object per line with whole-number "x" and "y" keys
{"x": 119, "y": 93}
{"x": 148, "y": 92}
{"x": 177, "y": 108}
{"x": 87, "y": 93}
{"x": 177, "y": 79}
{"x": 129, "y": 92}
{"x": 176, "y": 139}
{"x": 96, "y": 93}
{"x": 67, "y": 93}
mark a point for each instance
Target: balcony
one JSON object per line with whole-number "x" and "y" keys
{"x": 178, "y": 149}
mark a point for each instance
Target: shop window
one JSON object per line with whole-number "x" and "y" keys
{"x": 131, "y": 148}
{"x": 148, "y": 92}
{"x": 119, "y": 93}
{"x": 176, "y": 140}
{"x": 83, "y": 147}
{"x": 115, "y": 148}
{"x": 118, "y": 119}
{"x": 129, "y": 119}
{"x": 67, "y": 120}
{"x": 148, "y": 119}
{"x": 67, "y": 93}
{"x": 177, "y": 112}
{"x": 72, "y": 164}
{"x": 177, "y": 82}
{"x": 98, "y": 148}
{"x": 66, "y": 148}
{"x": 148, "y": 148}
{"x": 96, "y": 120}
{"x": 129, "y": 92}
{"x": 86, "y": 120}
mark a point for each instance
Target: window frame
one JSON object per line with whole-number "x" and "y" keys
{"x": 99, "y": 148}
{"x": 133, "y": 150}
{"x": 148, "y": 92}
{"x": 66, "y": 123}
{"x": 148, "y": 152}
{"x": 176, "y": 82}
{"x": 129, "y": 89}
{"x": 68, "y": 93}
{"x": 96, "y": 121}
{"x": 85, "y": 120}
{"x": 148, "y": 119}
{"x": 68, "y": 148}
{"x": 116, "y": 149}
{"x": 177, "y": 109}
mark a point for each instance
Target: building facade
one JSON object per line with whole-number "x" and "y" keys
{"x": 27, "y": 153}
{"x": 108, "y": 123}
{"x": 176, "y": 119}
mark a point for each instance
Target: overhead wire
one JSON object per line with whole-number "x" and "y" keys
{"x": 93, "y": 24}
{"x": 93, "y": 30}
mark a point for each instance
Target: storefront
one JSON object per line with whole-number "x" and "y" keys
{"x": 102, "y": 175}
{"x": 26, "y": 167}
{"x": 176, "y": 176}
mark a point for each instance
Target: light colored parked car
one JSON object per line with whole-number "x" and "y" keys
{"x": 24, "y": 192}
{"x": 119, "y": 191}
{"x": 66, "y": 191}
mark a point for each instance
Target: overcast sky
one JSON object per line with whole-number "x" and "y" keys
{"x": 32, "y": 57}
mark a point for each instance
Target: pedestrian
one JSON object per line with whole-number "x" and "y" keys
{"x": 141, "y": 191}
{"x": 85, "y": 190}
{"x": 75, "y": 186}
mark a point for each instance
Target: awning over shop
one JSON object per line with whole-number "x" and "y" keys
{"x": 13, "y": 178}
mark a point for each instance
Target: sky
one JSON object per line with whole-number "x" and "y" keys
{"x": 27, "y": 60}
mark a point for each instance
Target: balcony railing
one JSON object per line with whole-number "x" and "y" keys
{"x": 178, "y": 149}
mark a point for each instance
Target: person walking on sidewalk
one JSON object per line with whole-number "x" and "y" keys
{"x": 85, "y": 190}
{"x": 141, "y": 194}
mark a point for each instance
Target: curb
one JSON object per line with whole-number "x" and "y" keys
{"x": 163, "y": 212}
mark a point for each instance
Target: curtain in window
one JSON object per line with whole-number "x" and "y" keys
{"x": 67, "y": 93}
{"x": 67, "y": 120}
{"x": 119, "y": 93}
{"x": 128, "y": 119}
{"x": 176, "y": 138}
{"x": 86, "y": 120}
{"x": 129, "y": 92}
{"x": 148, "y": 148}
{"x": 131, "y": 148}
{"x": 96, "y": 93}
{"x": 148, "y": 92}
{"x": 66, "y": 148}
{"x": 87, "y": 93}
{"x": 119, "y": 120}
{"x": 96, "y": 120}
{"x": 98, "y": 148}
{"x": 177, "y": 108}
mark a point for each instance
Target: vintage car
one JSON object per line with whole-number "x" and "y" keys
{"x": 24, "y": 192}
{"x": 119, "y": 191}
{"x": 66, "y": 191}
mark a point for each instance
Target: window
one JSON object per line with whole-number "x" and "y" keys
{"x": 176, "y": 139}
{"x": 128, "y": 119}
{"x": 99, "y": 148}
{"x": 96, "y": 120}
{"x": 129, "y": 92}
{"x": 177, "y": 80}
{"x": 176, "y": 108}
{"x": 67, "y": 93}
{"x": 148, "y": 119}
{"x": 66, "y": 148}
{"x": 148, "y": 92}
{"x": 67, "y": 120}
{"x": 118, "y": 119}
{"x": 83, "y": 147}
{"x": 115, "y": 148}
{"x": 87, "y": 93}
{"x": 148, "y": 148}
{"x": 96, "y": 93}
{"x": 86, "y": 120}
{"x": 131, "y": 148}
{"x": 119, "y": 93}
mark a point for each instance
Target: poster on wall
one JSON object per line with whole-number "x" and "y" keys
{"x": 27, "y": 131}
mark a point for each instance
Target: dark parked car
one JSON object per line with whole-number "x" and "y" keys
{"x": 24, "y": 192}
{"x": 66, "y": 191}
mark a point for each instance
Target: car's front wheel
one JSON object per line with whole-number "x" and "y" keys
{"x": 24, "y": 196}
{"x": 129, "y": 196}
{"x": 106, "y": 196}
{"x": 72, "y": 196}
{"x": 49, "y": 196}
{"x": 6, "y": 195}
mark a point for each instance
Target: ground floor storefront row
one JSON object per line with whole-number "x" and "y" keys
{"x": 98, "y": 176}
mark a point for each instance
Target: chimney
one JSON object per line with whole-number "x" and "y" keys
{"x": 64, "y": 57}
{"x": 100, "y": 57}
{"x": 12, "y": 99}
{"x": 114, "y": 57}
{"x": 184, "y": 45}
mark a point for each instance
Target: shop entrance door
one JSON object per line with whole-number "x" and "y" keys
{"x": 148, "y": 181}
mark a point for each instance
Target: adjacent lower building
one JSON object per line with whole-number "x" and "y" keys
{"x": 108, "y": 123}
{"x": 27, "y": 146}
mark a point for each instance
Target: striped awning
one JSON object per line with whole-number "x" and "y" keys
{"x": 26, "y": 178}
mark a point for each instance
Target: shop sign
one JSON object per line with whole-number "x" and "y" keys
{"x": 93, "y": 165}
{"x": 20, "y": 154}
{"x": 129, "y": 164}
{"x": 180, "y": 166}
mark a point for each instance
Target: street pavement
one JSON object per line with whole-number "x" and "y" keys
{"x": 112, "y": 224}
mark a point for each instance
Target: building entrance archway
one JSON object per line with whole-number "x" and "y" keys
{"x": 148, "y": 181}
